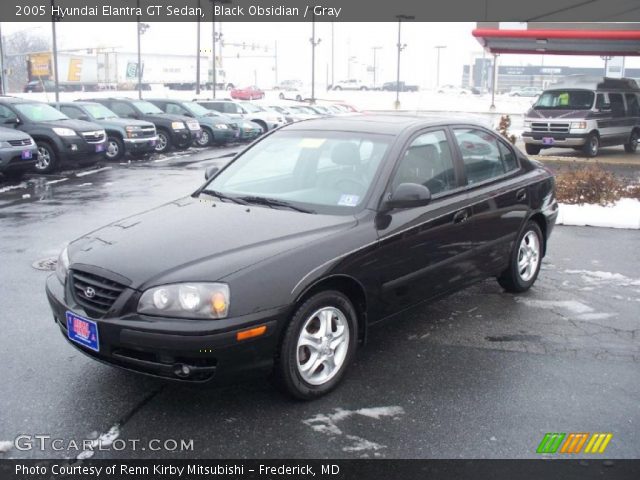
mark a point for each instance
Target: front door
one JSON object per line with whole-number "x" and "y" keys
{"x": 423, "y": 251}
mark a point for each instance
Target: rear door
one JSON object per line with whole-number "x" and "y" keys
{"x": 497, "y": 193}
{"x": 423, "y": 251}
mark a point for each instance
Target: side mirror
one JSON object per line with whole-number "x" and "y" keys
{"x": 132, "y": 115}
{"x": 12, "y": 121}
{"x": 408, "y": 195}
{"x": 188, "y": 114}
{"x": 84, "y": 117}
{"x": 210, "y": 172}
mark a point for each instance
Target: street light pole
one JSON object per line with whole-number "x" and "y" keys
{"x": 375, "y": 50}
{"x": 332, "y": 55}
{"x": 314, "y": 44}
{"x": 3, "y": 83}
{"x": 54, "y": 19}
{"x": 438, "y": 48}
{"x": 400, "y": 47}
{"x": 198, "y": 54}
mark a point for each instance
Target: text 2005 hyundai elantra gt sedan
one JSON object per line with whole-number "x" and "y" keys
{"x": 283, "y": 259}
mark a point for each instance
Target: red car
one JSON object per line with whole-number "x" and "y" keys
{"x": 247, "y": 93}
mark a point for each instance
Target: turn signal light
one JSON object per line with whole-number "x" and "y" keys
{"x": 252, "y": 333}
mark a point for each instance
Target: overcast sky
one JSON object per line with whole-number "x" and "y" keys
{"x": 351, "y": 40}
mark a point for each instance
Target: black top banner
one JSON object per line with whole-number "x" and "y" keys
{"x": 319, "y": 10}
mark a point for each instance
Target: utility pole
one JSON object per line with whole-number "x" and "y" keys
{"x": 54, "y": 19}
{"x": 275, "y": 61}
{"x": 400, "y": 47}
{"x": 3, "y": 73}
{"x": 438, "y": 48}
{"x": 494, "y": 82}
{"x": 142, "y": 27}
{"x": 198, "y": 54}
{"x": 314, "y": 44}
{"x": 375, "y": 49}
{"x": 332, "y": 55}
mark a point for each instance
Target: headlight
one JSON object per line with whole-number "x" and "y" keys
{"x": 178, "y": 125}
{"x": 579, "y": 125}
{"x": 193, "y": 125}
{"x": 132, "y": 131}
{"x": 221, "y": 126}
{"x": 5, "y": 145}
{"x": 186, "y": 300}
{"x": 527, "y": 124}
{"x": 62, "y": 267}
{"x": 64, "y": 132}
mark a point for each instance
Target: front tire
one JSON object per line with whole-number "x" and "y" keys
{"x": 592, "y": 145}
{"x": 318, "y": 345}
{"x": 525, "y": 260}
{"x": 115, "y": 149}
{"x": 532, "y": 149}
{"x": 206, "y": 138}
{"x": 47, "y": 158}
{"x": 164, "y": 142}
{"x": 281, "y": 96}
{"x": 632, "y": 145}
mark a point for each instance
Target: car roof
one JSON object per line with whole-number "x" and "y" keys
{"x": 9, "y": 99}
{"x": 588, "y": 82}
{"x": 384, "y": 123}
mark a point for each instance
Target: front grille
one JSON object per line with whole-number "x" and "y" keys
{"x": 96, "y": 136}
{"x": 147, "y": 132}
{"x": 20, "y": 143}
{"x": 106, "y": 292}
{"x": 550, "y": 127}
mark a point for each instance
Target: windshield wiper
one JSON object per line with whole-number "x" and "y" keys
{"x": 272, "y": 202}
{"x": 222, "y": 196}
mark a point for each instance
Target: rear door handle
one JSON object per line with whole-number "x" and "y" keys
{"x": 521, "y": 195}
{"x": 461, "y": 216}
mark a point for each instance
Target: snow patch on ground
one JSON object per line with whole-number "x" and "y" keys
{"x": 91, "y": 172}
{"x": 572, "y": 306}
{"x": 599, "y": 278}
{"x": 104, "y": 441}
{"x": 5, "y": 446}
{"x": 327, "y": 425}
{"x": 625, "y": 213}
{"x": 13, "y": 187}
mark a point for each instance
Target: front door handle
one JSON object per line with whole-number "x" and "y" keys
{"x": 521, "y": 195}
{"x": 461, "y": 216}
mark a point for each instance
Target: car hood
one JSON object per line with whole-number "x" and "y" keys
{"x": 77, "y": 125}
{"x": 196, "y": 239}
{"x": 534, "y": 113}
{"x": 124, "y": 122}
{"x": 154, "y": 117}
{"x": 12, "y": 134}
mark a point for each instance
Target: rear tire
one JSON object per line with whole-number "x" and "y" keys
{"x": 318, "y": 345}
{"x": 532, "y": 149}
{"x": 632, "y": 145}
{"x": 592, "y": 145}
{"x": 47, "y": 158}
{"x": 524, "y": 261}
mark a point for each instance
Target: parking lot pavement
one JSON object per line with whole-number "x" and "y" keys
{"x": 479, "y": 374}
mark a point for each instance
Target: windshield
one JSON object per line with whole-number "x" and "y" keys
{"x": 99, "y": 112}
{"x": 306, "y": 110}
{"x": 328, "y": 172}
{"x": 197, "y": 109}
{"x": 40, "y": 112}
{"x": 565, "y": 100}
{"x": 251, "y": 108}
{"x": 146, "y": 107}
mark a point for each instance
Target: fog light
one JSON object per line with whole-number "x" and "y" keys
{"x": 74, "y": 147}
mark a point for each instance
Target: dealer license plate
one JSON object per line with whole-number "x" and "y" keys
{"x": 83, "y": 331}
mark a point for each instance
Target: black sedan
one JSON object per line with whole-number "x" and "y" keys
{"x": 283, "y": 259}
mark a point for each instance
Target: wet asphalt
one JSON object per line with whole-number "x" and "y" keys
{"x": 480, "y": 374}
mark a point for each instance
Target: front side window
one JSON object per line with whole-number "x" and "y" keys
{"x": 428, "y": 161}
{"x": 175, "y": 109}
{"x": 328, "y": 172}
{"x": 6, "y": 114}
{"x": 480, "y": 154}
{"x": 122, "y": 109}
{"x": 71, "y": 112}
{"x": 565, "y": 100}
{"x": 617, "y": 104}
{"x": 632, "y": 104}
{"x": 147, "y": 108}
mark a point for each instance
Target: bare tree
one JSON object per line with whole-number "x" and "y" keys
{"x": 17, "y": 46}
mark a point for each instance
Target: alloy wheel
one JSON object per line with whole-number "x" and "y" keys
{"x": 528, "y": 256}
{"x": 162, "y": 142}
{"x": 203, "y": 141}
{"x": 112, "y": 149}
{"x": 322, "y": 345}
{"x": 44, "y": 159}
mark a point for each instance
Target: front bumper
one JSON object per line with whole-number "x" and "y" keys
{"x": 223, "y": 135}
{"x": 11, "y": 158}
{"x": 559, "y": 139}
{"x": 163, "y": 346}
{"x": 140, "y": 145}
{"x": 181, "y": 138}
{"x": 77, "y": 150}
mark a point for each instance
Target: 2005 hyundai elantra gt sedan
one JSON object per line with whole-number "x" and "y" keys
{"x": 284, "y": 258}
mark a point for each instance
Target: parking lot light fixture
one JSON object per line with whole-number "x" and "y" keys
{"x": 314, "y": 44}
{"x": 438, "y": 48}
{"x": 214, "y": 38}
{"x": 400, "y": 47}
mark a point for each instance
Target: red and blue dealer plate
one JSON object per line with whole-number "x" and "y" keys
{"x": 83, "y": 331}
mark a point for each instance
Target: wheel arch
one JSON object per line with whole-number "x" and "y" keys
{"x": 541, "y": 220}
{"x": 348, "y": 286}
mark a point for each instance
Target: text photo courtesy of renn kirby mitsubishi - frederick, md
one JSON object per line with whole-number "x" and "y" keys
{"x": 338, "y": 239}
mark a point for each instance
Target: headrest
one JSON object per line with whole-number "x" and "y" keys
{"x": 345, "y": 153}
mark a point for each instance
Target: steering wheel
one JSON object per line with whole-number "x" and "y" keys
{"x": 348, "y": 180}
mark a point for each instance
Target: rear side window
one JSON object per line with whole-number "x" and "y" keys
{"x": 480, "y": 153}
{"x": 632, "y": 104}
{"x": 508, "y": 157}
{"x": 617, "y": 104}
